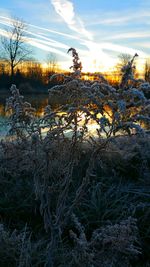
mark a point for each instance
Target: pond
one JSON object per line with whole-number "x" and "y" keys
{"x": 38, "y": 101}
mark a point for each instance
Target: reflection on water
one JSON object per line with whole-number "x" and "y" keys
{"x": 38, "y": 102}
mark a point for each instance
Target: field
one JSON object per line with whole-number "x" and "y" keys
{"x": 83, "y": 200}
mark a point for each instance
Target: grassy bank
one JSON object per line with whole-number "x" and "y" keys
{"x": 75, "y": 206}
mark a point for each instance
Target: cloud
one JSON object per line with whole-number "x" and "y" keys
{"x": 144, "y": 44}
{"x": 100, "y": 54}
{"x": 8, "y": 21}
{"x": 37, "y": 43}
{"x": 128, "y": 35}
{"x": 42, "y": 42}
{"x": 4, "y": 12}
{"x": 110, "y": 21}
{"x": 121, "y": 48}
{"x": 48, "y": 41}
{"x": 3, "y": 33}
{"x": 65, "y": 9}
{"x": 94, "y": 50}
{"x": 114, "y": 18}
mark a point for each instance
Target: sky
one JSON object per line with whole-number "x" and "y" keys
{"x": 99, "y": 30}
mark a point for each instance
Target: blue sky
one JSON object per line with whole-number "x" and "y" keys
{"x": 100, "y": 29}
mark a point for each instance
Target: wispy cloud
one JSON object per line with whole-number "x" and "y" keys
{"x": 8, "y": 21}
{"x": 145, "y": 44}
{"x": 115, "y": 19}
{"x": 128, "y": 35}
{"x": 39, "y": 44}
{"x": 65, "y": 9}
{"x": 121, "y": 48}
{"x": 42, "y": 42}
{"x": 97, "y": 53}
{"x": 36, "y": 43}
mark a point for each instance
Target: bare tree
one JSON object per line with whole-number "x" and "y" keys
{"x": 52, "y": 63}
{"x": 147, "y": 71}
{"x": 14, "y": 46}
{"x": 124, "y": 59}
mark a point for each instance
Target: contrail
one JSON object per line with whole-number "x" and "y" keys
{"x": 37, "y": 43}
{"x": 70, "y": 36}
{"x": 45, "y": 47}
{"x": 47, "y": 40}
{"x": 93, "y": 51}
{"x": 113, "y": 47}
{"x": 44, "y": 44}
{"x": 66, "y": 10}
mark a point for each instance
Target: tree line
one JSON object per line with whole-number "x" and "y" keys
{"x": 28, "y": 74}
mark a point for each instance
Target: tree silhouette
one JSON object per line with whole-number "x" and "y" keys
{"x": 14, "y": 46}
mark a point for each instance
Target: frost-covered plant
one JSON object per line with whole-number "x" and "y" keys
{"x": 127, "y": 73}
{"x": 77, "y": 65}
{"x": 15, "y": 248}
{"x": 54, "y": 159}
{"x": 21, "y": 114}
{"x": 112, "y": 245}
{"x": 18, "y": 249}
{"x": 111, "y": 110}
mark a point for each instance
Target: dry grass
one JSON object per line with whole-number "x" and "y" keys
{"x": 77, "y": 201}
